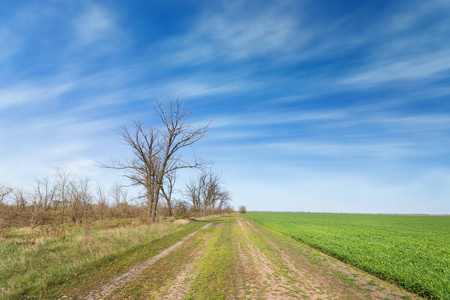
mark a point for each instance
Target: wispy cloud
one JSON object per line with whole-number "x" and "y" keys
{"x": 221, "y": 35}
{"x": 95, "y": 24}
{"x": 200, "y": 87}
{"x": 239, "y": 31}
{"x": 23, "y": 94}
{"x": 408, "y": 44}
{"x": 411, "y": 69}
{"x": 274, "y": 118}
{"x": 355, "y": 150}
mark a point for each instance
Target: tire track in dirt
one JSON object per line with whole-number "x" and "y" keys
{"x": 263, "y": 276}
{"x": 180, "y": 286}
{"x": 108, "y": 288}
{"x": 301, "y": 279}
{"x": 307, "y": 278}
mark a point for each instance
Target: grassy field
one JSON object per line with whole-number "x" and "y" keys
{"x": 412, "y": 251}
{"x": 48, "y": 261}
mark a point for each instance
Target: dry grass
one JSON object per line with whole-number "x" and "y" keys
{"x": 31, "y": 258}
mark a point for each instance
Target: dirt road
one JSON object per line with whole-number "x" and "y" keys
{"x": 234, "y": 258}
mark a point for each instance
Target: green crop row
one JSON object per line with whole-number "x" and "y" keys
{"x": 411, "y": 251}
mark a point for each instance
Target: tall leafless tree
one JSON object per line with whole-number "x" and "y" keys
{"x": 193, "y": 193}
{"x": 80, "y": 201}
{"x": 167, "y": 189}
{"x": 157, "y": 152}
{"x": 62, "y": 178}
{"x": 41, "y": 200}
{"x": 120, "y": 197}
{"x": 205, "y": 192}
{"x": 5, "y": 190}
{"x": 102, "y": 201}
{"x": 19, "y": 198}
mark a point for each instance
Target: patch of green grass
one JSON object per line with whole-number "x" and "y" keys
{"x": 53, "y": 267}
{"x": 412, "y": 251}
{"x": 216, "y": 279}
{"x": 158, "y": 277}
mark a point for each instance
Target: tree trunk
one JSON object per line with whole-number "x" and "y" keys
{"x": 150, "y": 205}
{"x": 169, "y": 205}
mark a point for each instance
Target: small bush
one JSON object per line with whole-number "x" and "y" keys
{"x": 242, "y": 209}
{"x": 181, "y": 210}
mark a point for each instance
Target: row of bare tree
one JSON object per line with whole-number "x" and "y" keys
{"x": 206, "y": 194}
{"x": 157, "y": 155}
{"x": 62, "y": 199}
{"x": 65, "y": 198}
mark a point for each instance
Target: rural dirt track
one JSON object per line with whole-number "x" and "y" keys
{"x": 106, "y": 289}
{"x": 259, "y": 264}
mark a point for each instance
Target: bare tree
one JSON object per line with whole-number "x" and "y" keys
{"x": 209, "y": 189}
{"x": 62, "y": 178}
{"x": 80, "y": 201}
{"x": 102, "y": 201}
{"x": 41, "y": 201}
{"x": 167, "y": 189}
{"x": 5, "y": 190}
{"x": 193, "y": 193}
{"x": 157, "y": 153}
{"x": 224, "y": 200}
{"x": 19, "y": 198}
{"x": 119, "y": 194}
{"x": 120, "y": 198}
{"x": 206, "y": 193}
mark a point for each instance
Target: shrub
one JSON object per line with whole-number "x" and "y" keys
{"x": 242, "y": 209}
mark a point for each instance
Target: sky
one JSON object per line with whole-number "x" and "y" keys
{"x": 316, "y": 106}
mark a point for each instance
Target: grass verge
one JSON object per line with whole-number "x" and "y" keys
{"x": 52, "y": 267}
{"x": 216, "y": 277}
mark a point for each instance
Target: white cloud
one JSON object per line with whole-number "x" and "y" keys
{"x": 198, "y": 87}
{"x": 26, "y": 93}
{"x": 233, "y": 33}
{"x": 410, "y": 42}
{"x": 422, "y": 67}
{"x": 83, "y": 167}
{"x": 375, "y": 150}
{"x": 93, "y": 25}
{"x": 274, "y": 118}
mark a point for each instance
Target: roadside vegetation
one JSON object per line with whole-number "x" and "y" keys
{"x": 411, "y": 251}
{"x": 38, "y": 262}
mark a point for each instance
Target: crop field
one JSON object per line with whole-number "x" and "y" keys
{"x": 411, "y": 251}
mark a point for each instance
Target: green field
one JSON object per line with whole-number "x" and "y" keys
{"x": 411, "y": 251}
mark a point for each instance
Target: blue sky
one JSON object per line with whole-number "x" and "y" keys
{"x": 326, "y": 106}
